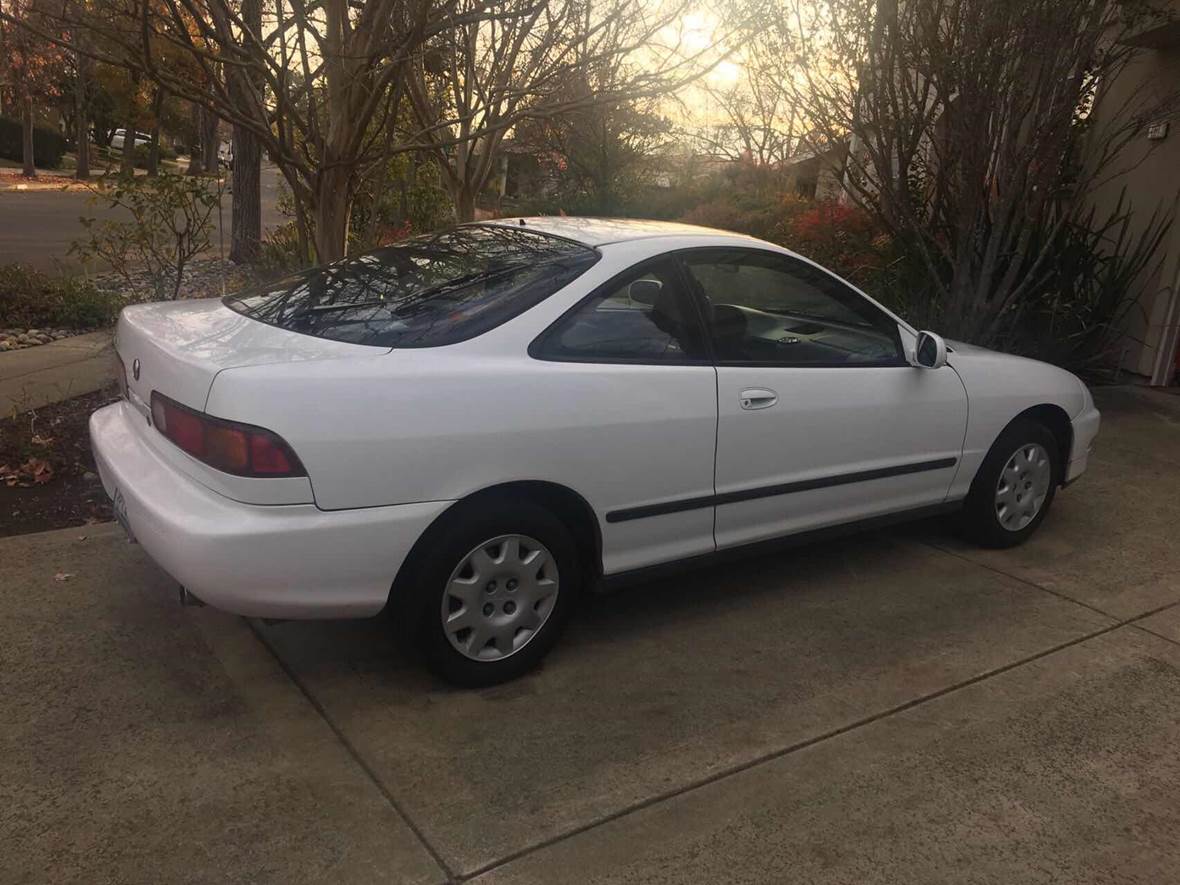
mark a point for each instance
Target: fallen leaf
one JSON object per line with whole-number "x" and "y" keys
{"x": 62, "y": 577}
{"x": 39, "y": 440}
{"x": 39, "y": 470}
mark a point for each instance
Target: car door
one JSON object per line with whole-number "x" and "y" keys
{"x": 631, "y": 360}
{"x": 821, "y": 418}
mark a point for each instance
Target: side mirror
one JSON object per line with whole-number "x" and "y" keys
{"x": 930, "y": 351}
{"x": 646, "y": 292}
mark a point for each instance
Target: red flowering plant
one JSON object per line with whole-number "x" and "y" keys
{"x": 843, "y": 238}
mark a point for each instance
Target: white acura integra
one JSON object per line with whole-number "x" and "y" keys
{"x": 468, "y": 429}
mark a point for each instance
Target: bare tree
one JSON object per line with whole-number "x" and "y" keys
{"x": 472, "y": 83}
{"x": 333, "y": 74}
{"x": 326, "y": 70}
{"x": 599, "y": 150}
{"x": 969, "y": 129}
{"x": 759, "y": 116}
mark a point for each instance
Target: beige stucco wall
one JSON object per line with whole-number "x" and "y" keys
{"x": 1150, "y": 174}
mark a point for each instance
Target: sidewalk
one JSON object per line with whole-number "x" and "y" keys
{"x": 48, "y": 373}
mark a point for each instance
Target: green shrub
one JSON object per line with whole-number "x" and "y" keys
{"x": 170, "y": 224}
{"x": 395, "y": 201}
{"x": 765, "y": 216}
{"x": 33, "y": 300}
{"x": 280, "y": 253}
{"x": 1088, "y": 289}
{"x": 48, "y": 145}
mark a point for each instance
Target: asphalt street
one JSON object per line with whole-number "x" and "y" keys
{"x": 37, "y": 227}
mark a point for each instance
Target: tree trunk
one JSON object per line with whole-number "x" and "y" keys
{"x": 82, "y": 139}
{"x": 127, "y": 163}
{"x": 83, "y": 73}
{"x": 246, "y": 225}
{"x": 153, "y": 158}
{"x": 29, "y": 169}
{"x": 195, "y": 164}
{"x": 209, "y": 140}
{"x": 464, "y": 198}
{"x": 333, "y": 202}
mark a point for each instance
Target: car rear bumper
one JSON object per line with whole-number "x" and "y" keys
{"x": 282, "y": 561}
{"x": 1085, "y": 428}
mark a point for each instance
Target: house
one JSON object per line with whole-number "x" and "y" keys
{"x": 1151, "y": 181}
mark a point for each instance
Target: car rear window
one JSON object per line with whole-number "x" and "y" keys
{"x": 422, "y": 292}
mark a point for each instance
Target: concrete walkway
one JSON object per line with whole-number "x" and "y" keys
{"x": 36, "y": 376}
{"x": 895, "y": 707}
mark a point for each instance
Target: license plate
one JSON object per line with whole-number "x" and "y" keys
{"x": 119, "y": 506}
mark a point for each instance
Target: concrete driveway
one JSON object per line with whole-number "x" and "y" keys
{"x": 896, "y": 707}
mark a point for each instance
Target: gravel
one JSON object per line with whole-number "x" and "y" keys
{"x": 202, "y": 279}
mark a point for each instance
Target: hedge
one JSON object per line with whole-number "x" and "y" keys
{"x": 33, "y": 300}
{"x": 48, "y": 145}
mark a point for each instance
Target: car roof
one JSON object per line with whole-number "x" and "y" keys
{"x": 602, "y": 231}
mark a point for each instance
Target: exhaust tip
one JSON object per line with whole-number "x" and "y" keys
{"x": 188, "y": 599}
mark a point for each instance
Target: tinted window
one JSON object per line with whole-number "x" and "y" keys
{"x": 644, "y": 316}
{"x": 768, "y": 308}
{"x": 425, "y": 291}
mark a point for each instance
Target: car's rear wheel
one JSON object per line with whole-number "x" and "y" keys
{"x": 494, "y": 593}
{"x": 1014, "y": 487}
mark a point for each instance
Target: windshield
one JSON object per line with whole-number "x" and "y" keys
{"x": 423, "y": 292}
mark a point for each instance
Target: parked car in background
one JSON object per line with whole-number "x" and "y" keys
{"x": 120, "y": 136}
{"x": 469, "y": 429}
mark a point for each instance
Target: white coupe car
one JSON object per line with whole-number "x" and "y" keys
{"x": 468, "y": 429}
{"x": 120, "y": 138}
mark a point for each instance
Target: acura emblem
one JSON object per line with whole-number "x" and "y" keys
{"x": 135, "y": 370}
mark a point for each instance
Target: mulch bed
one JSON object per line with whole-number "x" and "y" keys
{"x": 47, "y": 475}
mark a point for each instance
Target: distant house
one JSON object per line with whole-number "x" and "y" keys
{"x": 1151, "y": 181}
{"x": 816, "y": 174}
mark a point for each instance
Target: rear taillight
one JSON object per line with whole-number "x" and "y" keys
{"x": 240, "y": 449}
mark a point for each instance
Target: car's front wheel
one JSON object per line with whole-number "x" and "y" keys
{"x": 494, "y": 593}
{"x": 1014, "y": 486}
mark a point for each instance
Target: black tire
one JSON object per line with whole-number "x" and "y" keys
{"x": 449, "y": 543}
{"x": 981, "y": 521}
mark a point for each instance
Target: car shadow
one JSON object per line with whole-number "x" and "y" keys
{"x": 369, "y": 647}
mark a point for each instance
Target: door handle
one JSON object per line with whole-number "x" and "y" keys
{"x": 757, "y": 398}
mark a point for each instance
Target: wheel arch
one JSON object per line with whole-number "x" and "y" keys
{"x": 563, "y": 502}
{"x": 1057, "y": 421}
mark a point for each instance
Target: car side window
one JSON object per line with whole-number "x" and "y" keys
{"x": 644, "y": 316}
{"x": 771, "y": 309}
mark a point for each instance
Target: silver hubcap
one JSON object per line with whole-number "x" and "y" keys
{"x": 499, "y": 597}
{"x": 1023, "y": 486}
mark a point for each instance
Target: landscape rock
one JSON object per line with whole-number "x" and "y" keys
{"x": 17, "y": 339}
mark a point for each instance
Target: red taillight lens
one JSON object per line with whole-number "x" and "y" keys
{"x": 267, "y": 457}
{"x": 240, "y": 449}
